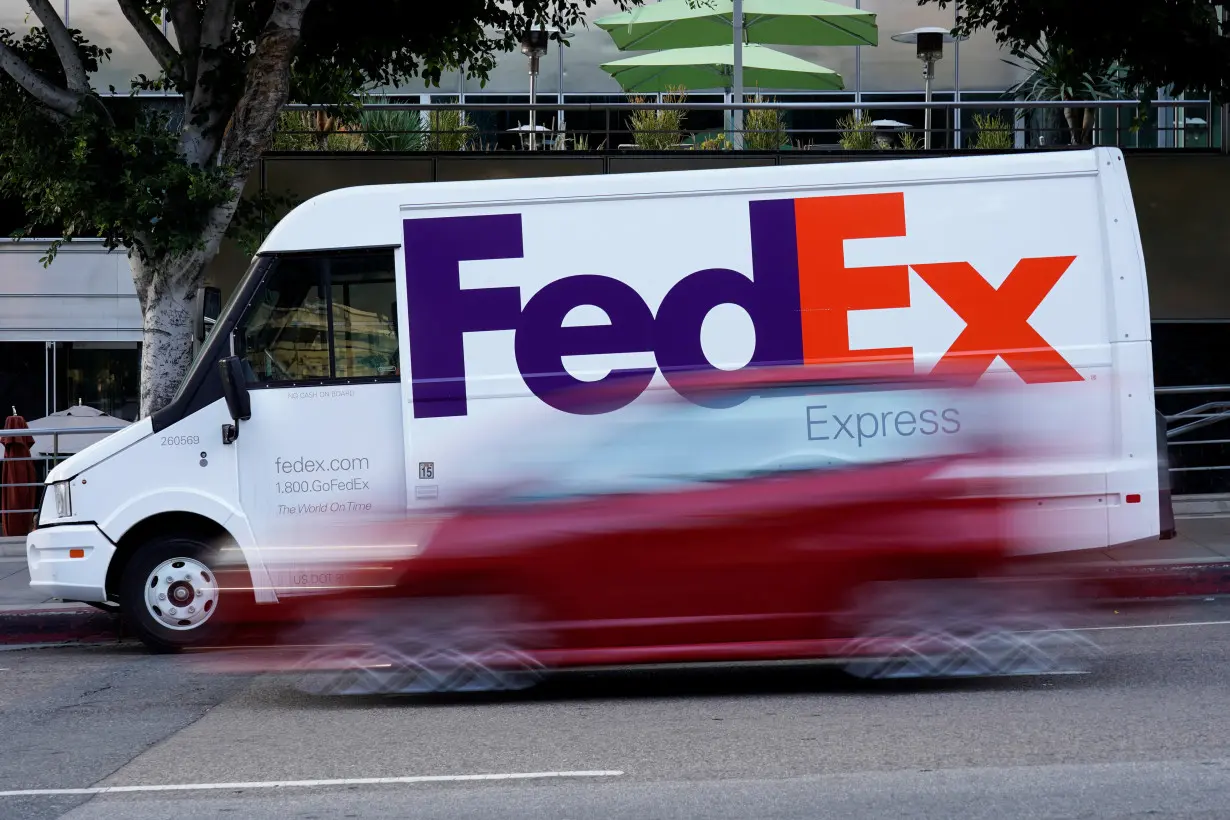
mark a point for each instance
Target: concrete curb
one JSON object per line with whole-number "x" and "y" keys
{"x": 57, "y": 624}
{"x": 1201, "y": 506}
{"x": 1160, "y": 581}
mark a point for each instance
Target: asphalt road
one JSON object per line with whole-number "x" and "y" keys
{"x": 1148, "y": 736}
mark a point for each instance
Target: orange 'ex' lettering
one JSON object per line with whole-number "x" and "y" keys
{"x": 997, "y": 319}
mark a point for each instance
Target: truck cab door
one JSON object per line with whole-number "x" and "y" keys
{"x": 319, "y": 457}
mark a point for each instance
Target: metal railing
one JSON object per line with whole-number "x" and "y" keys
{"x": 46, "y": 461}
{"x": 583, "y": 126}
{"x": 1209, "y": 454}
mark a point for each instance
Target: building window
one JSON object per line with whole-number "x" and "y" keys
{"x": 23, "y": 379}
{"x": 102, "y": 375}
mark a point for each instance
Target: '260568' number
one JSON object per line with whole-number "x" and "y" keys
{"x": 180, "y": 441}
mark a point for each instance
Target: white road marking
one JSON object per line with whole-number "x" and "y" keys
{"x": 286, "y": 784}
{"x": 1153, "y": 626}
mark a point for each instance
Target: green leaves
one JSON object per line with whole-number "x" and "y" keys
{"x": 254, "y": 215}
{"x": 1156, "y": 43}
{"x": 111, "y": 172}
{"x": 385, "y": 130}
{"x": 117, "y": 170}
{"x": 1056, "y": 74}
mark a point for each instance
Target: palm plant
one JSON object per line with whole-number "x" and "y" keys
{"x": 385, "y": 130}
{"x": 1059, "y": 75}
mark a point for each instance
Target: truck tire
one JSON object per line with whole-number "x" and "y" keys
{"x": 170, "y": 593}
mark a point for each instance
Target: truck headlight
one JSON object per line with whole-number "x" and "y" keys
{"x": 64, "y": 499}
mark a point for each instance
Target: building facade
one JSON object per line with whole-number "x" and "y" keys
{"x": 70, "y": 332}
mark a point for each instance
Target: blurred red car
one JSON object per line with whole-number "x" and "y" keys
{"x": 759, "y": 532}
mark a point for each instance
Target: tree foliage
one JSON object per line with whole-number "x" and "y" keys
{"x": 113, "y": 170}
{"x": 150, "y": 180}
{"x": 166, "y": 183}
{"x": 1180, "y": 44}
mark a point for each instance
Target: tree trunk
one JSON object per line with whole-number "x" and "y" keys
{"x": 1081, "y": 122}
{"x": 1091, "y": 121}
{"x": 166, "y": 350}
{"x": 165, "y": 289}
{"x": 1074, "y": 129}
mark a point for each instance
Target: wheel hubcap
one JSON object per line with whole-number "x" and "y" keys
{"x": 181, "y": 593}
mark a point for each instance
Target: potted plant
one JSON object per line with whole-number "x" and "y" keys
{"x": 658, "y": 129}
{"x": 993, "y": 134}
{"x": 765, "y": 128}
{"x": 1059, "y": 75}
{"x": 857, "y": 133}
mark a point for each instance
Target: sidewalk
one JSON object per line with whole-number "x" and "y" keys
{"x": 1195, "y": 563}
{"x": 15, "y": 585}
{"x": 1199, "y": 540}
{"x": 29, "y": 618}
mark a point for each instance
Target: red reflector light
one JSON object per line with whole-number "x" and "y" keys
{"x": 1134, "y": 498}
{"x": 76, "y": 553}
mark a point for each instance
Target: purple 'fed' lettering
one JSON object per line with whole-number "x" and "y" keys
{"x": 542, "y": 341}
{"x": 441, "y": 312}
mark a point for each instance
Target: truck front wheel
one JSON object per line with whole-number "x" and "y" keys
{"x": 171, "y": 594}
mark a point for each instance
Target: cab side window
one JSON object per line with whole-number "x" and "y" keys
{"x": 322, "y": 317}
{"x": 364, "y": 306}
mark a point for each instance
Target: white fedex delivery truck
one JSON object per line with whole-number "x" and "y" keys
{"x": 381, "y": 331}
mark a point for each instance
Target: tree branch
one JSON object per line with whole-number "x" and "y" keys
{"x": 215, "y": 33}
{"x": 157, "y": 43}
{"x": 267, "y": 87}
{"x": 203, "y": 119}
{"x": 58, "y": 100}
{"x": 187, "y": 23}
{"x": 216, "y": 22}
{"x": 66, "y": 48}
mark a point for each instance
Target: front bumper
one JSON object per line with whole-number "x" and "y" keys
{"x": 56, "y": 573}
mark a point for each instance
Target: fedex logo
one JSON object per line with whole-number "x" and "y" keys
{"x": 798, "y": 297}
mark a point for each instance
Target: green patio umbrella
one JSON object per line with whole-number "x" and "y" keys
{"x": 676, "y": 24}
{"x": 713, "y": 67}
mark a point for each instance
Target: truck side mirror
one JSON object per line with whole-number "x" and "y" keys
{"x": 235, "y": 391}
{"x": 206, "y": 308}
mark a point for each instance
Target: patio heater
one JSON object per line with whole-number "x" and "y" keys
{"x": 534, "y": 45}
{"x": 929, "y": 42}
